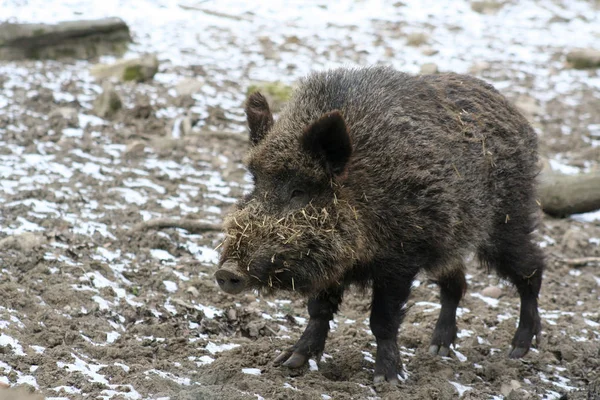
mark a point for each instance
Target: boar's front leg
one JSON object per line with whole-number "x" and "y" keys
{"x": 312, "y": 342}
{"x": 389, "y": 296}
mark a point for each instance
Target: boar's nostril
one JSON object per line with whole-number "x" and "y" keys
{"x": 229, "y": 281}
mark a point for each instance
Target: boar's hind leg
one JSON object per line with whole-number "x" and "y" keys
{"x": 452, "y": 288}
{"x": 312, "y": 342}
{"x": 387, "y": 313}
{"x": 513, "y": 255}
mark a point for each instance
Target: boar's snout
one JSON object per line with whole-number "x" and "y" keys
{"x": 229, "y": 280}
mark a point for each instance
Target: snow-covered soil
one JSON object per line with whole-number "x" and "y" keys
{"x": 92, "y": 308}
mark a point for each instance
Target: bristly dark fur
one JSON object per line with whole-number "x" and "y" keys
{"x": 427, "y": 168}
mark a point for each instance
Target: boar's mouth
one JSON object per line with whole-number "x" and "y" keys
{"x": 266, "y": 277}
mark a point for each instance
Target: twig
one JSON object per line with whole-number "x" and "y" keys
{"x": 213, "y": 13}
{"x": 581, "y": 261}
{"x": 189, "y": 225}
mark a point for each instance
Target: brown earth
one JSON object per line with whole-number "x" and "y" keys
{"x": 85, "y": 311}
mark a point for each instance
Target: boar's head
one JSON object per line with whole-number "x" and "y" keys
{"x": 296, "y": 230}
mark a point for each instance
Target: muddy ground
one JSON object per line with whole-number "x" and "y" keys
{"x": 93, "y": 307}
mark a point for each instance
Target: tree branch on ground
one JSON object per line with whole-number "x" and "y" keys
{"x": 562, "y": 195}
{"x": 190, "y": 225}
{"x": 581, "y": 261}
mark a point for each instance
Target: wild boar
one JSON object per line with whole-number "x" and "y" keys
{"x": 369, "y": 176}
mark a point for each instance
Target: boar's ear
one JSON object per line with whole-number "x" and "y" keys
{"x": 327, "y": 138}
{"x": 259, "y": 117}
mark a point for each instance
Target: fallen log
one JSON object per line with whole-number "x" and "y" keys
{"x": 580, "y": 262}
{"x": 80, "y": 39}
{"x": 562, "y": 195}
{"x": 190, "y": 225}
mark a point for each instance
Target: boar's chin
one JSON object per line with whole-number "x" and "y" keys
{"x": 305, "y": 251}
{"x": 288, "y": 280}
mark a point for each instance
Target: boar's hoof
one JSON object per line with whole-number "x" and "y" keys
{"x": 443, "y": 351}
{"x": 521, "y": 343}
{"x": 379, "y": 379}
{"x": 229, "y": 281}
{"x": 517, "y": 352}
{"x": 291, "y": 359}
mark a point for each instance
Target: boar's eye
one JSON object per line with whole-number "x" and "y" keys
{"x": 299, "y": 197}
{"x": 297, "y": 193}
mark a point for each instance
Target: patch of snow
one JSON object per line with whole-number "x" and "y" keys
{"x": 488, "y": 300}
{"x": 461, "y": 389}
{"x": 168, "y": 375}
{"x": 67, "y": 389}
{"x": 143, "y": 182}
{"x": 162, "y": 255}
{"x": 204, "y": 360}
{"x": 102, "y": 303}
{"x": 251, "y": 371}
{"x": 591, "y": 323}
{"x": 563, "y": 168}
{"x": 87, "y": 369}
{"x": 170, "y": 286}
{"x": 38, "y": 349}
{"x": 461, "y": 357}
{"x": 433, "y": 306}
{"x": 368, "y": 357}
{"x": 131, "y": 196}
{"x": 213, "y": 348}
{"x": 6, "y": 340}
{"x": 587, "y": 217}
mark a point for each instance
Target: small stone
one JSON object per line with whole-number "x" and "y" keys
{"x": 142, "y": 110}
{"x": 429, "y": 51}
{"x": 492, "y": 291}
{"x": 528, "y": 106}
{"x": 509, "y": 388}
{"x": 136, "y": 69}
{"x": 23, "y": 392}
{"x": 164, "y": 145}
{"x": 108, "y": 103}
{"x": 573, "y": 240}
{"x": 69, "y": 114}
{"x": 188, "y": 87}
{"x": 584, "y": 58}
{"x": 186, "y": 126}
{"x": 479, "y": 67}
{"x": 134, "y": 150}
{"x": 567, "y": 353}
{"x": 24, "y": 242}
{"x": 231, "y": 314}
{"x": 446, "y": 373}
{"x": 515, "y": 384}
{"x": 416, "y": 39}
{"x": 558, "y": 19}
{"x": 487, "y": 7}
{"x": 254, "y": 328}
{"x": 505, "y": 389}
{"x": 429, "y": 69}
{"x": 518, "y": 395}
{"x": 193, "y": 291}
